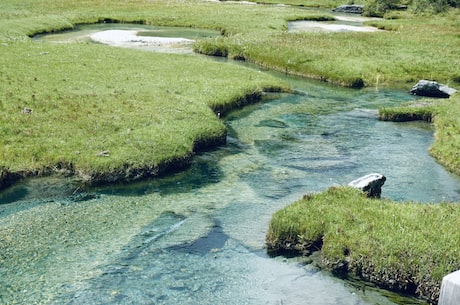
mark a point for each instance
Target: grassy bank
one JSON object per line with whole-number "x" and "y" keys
{"x": 405, "y": 247}
{"x": 400, "y": 55}
{"x": 109, "y": 113}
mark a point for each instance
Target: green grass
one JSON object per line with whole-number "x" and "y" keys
{"x": 446, "y": 148}
{"x": 402, "y": 55}
{"x": 145, "y": 109}
{"x": 398, "y": 57}
{"x": 108, "y": 114}
{"x": 405, "y": 247}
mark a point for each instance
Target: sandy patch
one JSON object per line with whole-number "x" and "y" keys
{"x": 312, "y": 26}
{"x": 131, "y": 39}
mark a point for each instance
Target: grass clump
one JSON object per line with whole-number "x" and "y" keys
{"x": 399, "y": 55}
{"x": 418, "y": 111}
{"x": 405, "y": 247}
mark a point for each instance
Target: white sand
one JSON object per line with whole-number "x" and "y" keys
{"x": 303, "y": 26}
{"x": 130, "y": 39}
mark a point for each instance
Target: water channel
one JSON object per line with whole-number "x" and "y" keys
{"x": 197, "y": 237}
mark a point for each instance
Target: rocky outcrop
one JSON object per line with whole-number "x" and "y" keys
{"x": 349, "y": 9}
{"x": 370, "y": 184}
{"x": 432, "y": 89}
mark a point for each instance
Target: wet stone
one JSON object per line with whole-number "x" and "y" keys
{"x": 432, "y": 89}
{"x": 349, "y": 9}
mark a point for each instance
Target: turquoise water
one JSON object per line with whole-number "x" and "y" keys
{"x": 197, "y": 237}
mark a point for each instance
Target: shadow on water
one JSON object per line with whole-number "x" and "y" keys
{"x": 203, "y": 171}
{"x": 14, "y": 193}
{"x": 166, "y": 223}
{"x": 130, "y": 277}
{"x": 214, "y": 240}
{"x": 39, "y": 191}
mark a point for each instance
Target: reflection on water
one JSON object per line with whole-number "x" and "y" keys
{"x": 197, "y": 237}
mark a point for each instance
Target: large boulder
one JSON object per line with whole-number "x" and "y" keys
{"x": 370, "y": 184}
{"x": 349, "y": 9}
{"x": 432, "y": 89}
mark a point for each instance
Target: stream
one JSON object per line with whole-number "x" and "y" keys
{"x": 197, "y": 237}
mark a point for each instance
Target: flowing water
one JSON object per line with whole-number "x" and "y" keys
{"x": 197, "y": 237}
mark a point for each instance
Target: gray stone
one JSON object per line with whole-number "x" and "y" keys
{"x": 432, "y": 89}
{"x": 450, "y": 289}
{"x": 370, "y": 184}
{"x": 349, "y": 9}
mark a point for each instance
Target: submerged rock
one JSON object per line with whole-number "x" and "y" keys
{"x": 349, "y": 9}
{"x": 272, "y": 123}
{"x": 432, "y": 89}
{"x": 370, "y": 184}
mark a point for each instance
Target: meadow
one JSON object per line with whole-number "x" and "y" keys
{"x": 107, "y": 114}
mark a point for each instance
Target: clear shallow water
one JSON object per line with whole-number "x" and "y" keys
{"x": 197, "y": 237}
